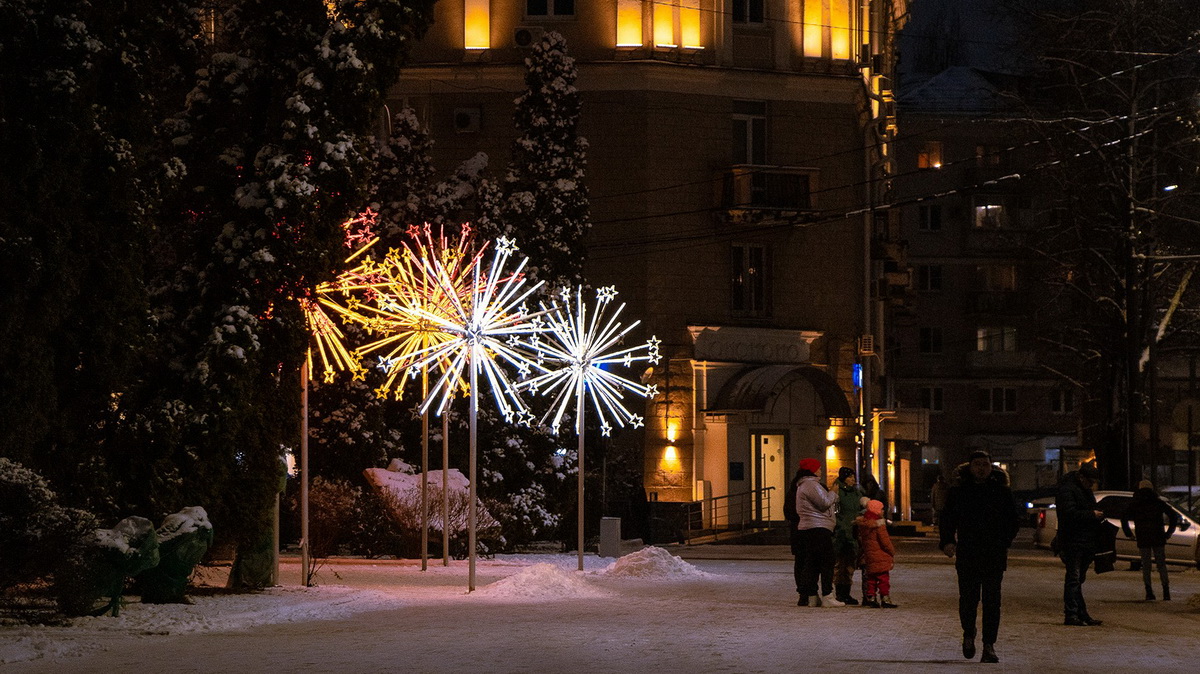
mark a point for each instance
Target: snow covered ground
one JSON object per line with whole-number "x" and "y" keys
{"x": 718, "y": 609}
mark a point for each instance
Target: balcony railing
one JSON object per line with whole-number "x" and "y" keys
{"x": 768, "y": 188}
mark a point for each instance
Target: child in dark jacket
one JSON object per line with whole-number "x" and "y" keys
{"x": 877, "y": 556}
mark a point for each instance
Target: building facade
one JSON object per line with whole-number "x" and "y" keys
{"x": 735, "y": 150}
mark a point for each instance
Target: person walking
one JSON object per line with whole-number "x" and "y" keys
{"x": 878, "y": 556}
{"x": 845, "y": 542}
{"x": 815, "y": 508}
{"x": 1078, "y": 534}
{"x": 1148, "y": 513}
{"x": 937, "y": 498}
{"x": 978, "y": 525}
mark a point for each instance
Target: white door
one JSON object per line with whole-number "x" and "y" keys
{"x": 769, "y": 471}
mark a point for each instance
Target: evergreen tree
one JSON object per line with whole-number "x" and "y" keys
{"x": 543, "y": 202}
{"x": 84, "y": 86}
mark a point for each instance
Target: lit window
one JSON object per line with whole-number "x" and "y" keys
{"x": 993, "y": 338}
{"x": 477, "y": 26}
{"x": 629, "y": 23}
{"x": 930, "y": 155}
{"x": 550, "y": 7}
{"x": 747, "y": 11}
{"x": 998, "y": 400}
{"x": 929, "y": 218}
{"x": 989, "y": 216}
{"x": 826, "y": 27}
{"x": 676, "y": 23}
{"x": 750, "y": 280}
{"x": 929, "y": 277}
{"x": 930, "y": 398}
{"x": 929, "y": 340}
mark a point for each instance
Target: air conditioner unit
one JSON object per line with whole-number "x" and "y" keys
{"x": 866, "y": 345}
{"x": 466, "y": 120}
{"x": 525, "y": 36}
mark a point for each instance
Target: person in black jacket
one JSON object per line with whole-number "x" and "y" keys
{"x": 977, "y": 526}
{"x": 1148, "y": 513}
{"x": 1078, "y": 534}
{"x": 793, "y": 518}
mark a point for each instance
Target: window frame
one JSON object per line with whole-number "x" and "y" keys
{"x": 746, "y": 15}
{"x": 750, "y": 298}
{"x": 929, "y": 218}
{"x": 930, "y": 156}
{"x": 989, "y": 395}
{"x": 989, "y": 337}
{"x": 930, "y": 278}
{"x": 989, "y": 215}
{"x": 930, "y": 340}
{"x": 931, "y": 398}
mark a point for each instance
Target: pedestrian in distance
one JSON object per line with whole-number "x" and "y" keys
{"x": 937, "y": 497}
{"x": 1149, "y": 515}
{"x": 1078, "y": 537}
{"x": 878, "y": 556}
{"x": 793, "y": 519}
{"x": 845, "y": 542}
{"x": 815, "y": 509}
{"x": 978, "y": 525}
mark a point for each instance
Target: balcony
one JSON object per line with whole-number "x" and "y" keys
{"x": 755, "y": 192}
{"x": 997, "y": 302}
{"x": 1002, "y": 360}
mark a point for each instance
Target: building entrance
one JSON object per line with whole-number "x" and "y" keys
{"x": 769, "y": 469}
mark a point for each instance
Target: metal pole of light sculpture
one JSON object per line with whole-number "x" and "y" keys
{"x": 485, "y": 330}
{"x": 578, "y": 349}
{"x": 400, "y": 296}
{"x": 331, "y": 348}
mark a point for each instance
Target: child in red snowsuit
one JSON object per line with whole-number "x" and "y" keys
{"x": 877, "y": 556}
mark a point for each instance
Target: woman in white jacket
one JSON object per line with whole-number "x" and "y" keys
{"x": 816, "y": 511}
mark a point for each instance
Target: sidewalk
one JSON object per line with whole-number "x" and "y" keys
{"x": 738, "y": 617}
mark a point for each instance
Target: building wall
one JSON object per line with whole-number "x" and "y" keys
{"x": 659, "y": 122}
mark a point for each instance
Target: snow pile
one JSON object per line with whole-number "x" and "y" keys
{"x": 652, "y": 563}
{"x": 542, "y": 581}
{"x": 186, "y": 521}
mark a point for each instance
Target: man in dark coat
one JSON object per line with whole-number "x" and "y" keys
{"x": 1149, "y": 513}
{"x": 1078, "y": 534}
{"x": 793, "y": 518}
{"x": 978, "y": 525}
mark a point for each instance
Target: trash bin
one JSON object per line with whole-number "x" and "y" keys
{"x": 610, "y": 537}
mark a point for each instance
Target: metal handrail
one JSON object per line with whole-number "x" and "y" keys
{"x": 746, "y": 503}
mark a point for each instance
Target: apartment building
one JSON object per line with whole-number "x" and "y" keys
{"x": 735, "y": 150}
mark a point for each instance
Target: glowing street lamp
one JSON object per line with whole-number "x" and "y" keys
{"x": 575, "y": 357}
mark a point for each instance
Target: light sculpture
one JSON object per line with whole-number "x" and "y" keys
{"x": 485, "y": 328}
{"x": 579, "y": 348}
{"x": 392, "y": 300}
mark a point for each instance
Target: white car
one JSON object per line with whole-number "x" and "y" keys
{"x": 1181, "y": 548}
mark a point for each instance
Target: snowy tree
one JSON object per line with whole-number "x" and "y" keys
{"x": 542, "y": 201}
{"x": 1119, "y": 124}
{"x": 85, "y": 85}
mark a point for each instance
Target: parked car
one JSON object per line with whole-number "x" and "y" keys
{"x": 1181, "y": 548}
{"x": 1178, "y": 496}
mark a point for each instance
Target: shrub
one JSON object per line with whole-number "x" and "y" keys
{"x": 37, "y": 535}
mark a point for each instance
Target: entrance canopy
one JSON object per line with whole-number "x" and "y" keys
{"x": 754, "y": 387}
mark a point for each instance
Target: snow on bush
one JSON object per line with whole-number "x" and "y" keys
{"x": 400, "y": 483}
{"x": 542, "y": 581}
{"x": 652, "y": 563}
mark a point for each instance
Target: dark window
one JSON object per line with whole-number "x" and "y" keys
{"x": 929, "y": 277}
{"x": 1062, "y": 401}
{"x": 750, "y": 280}
{"x": 930, "y": 218}
{"x": 747, "y": 11}
{"x": 930, "y": 398}
{"x": 749, "y": 132}
{"x": 929, "y": 340}
{"x": 1114, "y": 506}
{"x": 998, "y": 400}
{"x": 548, "y": 8}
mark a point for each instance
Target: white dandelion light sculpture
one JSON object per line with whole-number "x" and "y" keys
{"x": 485, "y": 327}
{"x": 576, "y": 356}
